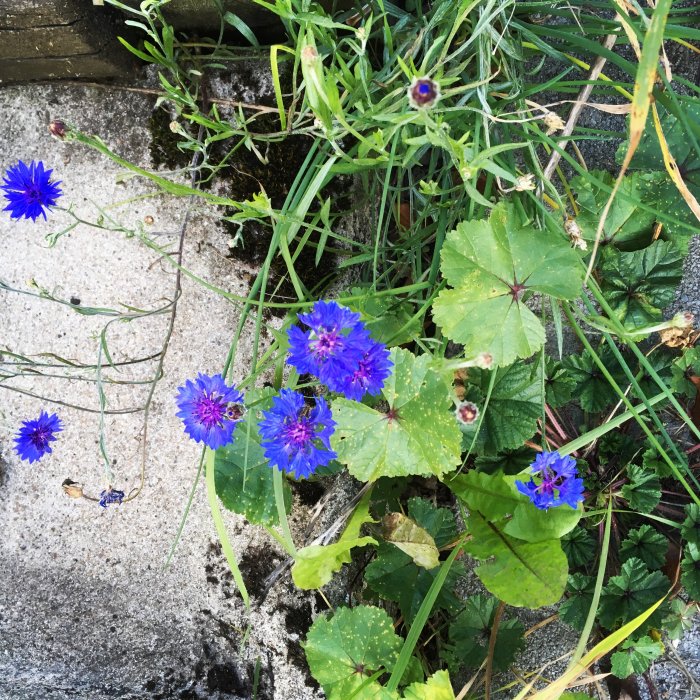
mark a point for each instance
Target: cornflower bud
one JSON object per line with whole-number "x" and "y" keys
{"x": 423, "y": 93}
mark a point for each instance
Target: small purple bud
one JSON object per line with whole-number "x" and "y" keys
{"x": 423, "y": 93}
{"x": 58, "y": 129}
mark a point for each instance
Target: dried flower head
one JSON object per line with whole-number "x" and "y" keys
{"x": 423, "y": 93}
{"x": 111, "y": 496}
{"x": 525, "y": 182}
{"x": 72, "y": 488}
{"x": 575, "y": 234}
{"x": 553, "y": 122}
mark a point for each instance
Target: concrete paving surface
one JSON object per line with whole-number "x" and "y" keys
{"x": 86, "y": 608}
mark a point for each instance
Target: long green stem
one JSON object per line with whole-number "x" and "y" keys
{"x": 221, "y": 527}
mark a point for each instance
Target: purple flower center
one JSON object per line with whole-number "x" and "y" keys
{"x": 33, "y": 193}
{"x": 424, "y": 88}
{"x": 299, "y": 433}
{"x": 210, "y": 410}
{"x": 326, "y": 344}
{"x": 550, "y": 481}
{"x": 40, "y": 438}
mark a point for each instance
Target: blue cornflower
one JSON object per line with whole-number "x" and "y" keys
{"x": 210, "y": 409}
{"x": 297, "y": 440}
{"x": 33, "y": 438}
{"x": 373, "y": 369}
{"x": 111, "y": 496}
{"x": 559, "y": 482}
{"x": 334, "y": 346}
{"x": 423, "y": 93}
{"x": 29, "y": 190}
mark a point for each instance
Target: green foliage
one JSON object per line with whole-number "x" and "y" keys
{"x": 417, "y": 435}
{"x": 636, "y": 656}
{"x": 507, "y": 462}
{"x": 690, "y": 528}
{"x": 652, "y": 462}
{"x": 315, "y": 565}
{"x": 395, "y": 576}
{"x": 627, "y": 225}
{"x": 243, "y": 476}
{"x": 387, "y": 319}
{"x": 470, "y": 633}
{"x": 491, "y": 264}
{"x": 680, "y": 618}
{"x": 579, "y": 547}
{"x": 593, "y": 392}
{"x": 559, "y": 385}
{"x": 513, "y": 410}
{"x": 641, "y": 283}
{"x": 574, "y": 610}
{"x": 494, "y": 496}
{"x": 686, "y": 366}
{"x": 649, "y": 157}
{"x": 643, "y": 491}
{"x": 630, "y": 593}
{"x": 437, "y": 687}
{"x": 646, "y": 544}
{"x": 690, "y": 571}
{"x": 540, "y": 568}
{"x": 343, "y": 651}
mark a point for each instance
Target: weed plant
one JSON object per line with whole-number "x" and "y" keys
{"x": 557, "y": 471}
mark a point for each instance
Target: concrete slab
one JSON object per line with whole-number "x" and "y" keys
{"x": 86, "y": 608}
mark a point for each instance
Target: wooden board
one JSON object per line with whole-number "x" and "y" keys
{"x": 50, "y": 39}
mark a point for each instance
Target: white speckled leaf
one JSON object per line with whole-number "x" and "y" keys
{"x": 424, "y": 438}
{"x": 343, "y": 651}
{"x": 483, "y": 261}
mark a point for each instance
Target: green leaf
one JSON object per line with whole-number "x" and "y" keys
{"x": 559, "y": 385}
{"x": 574, "y": 610}
{"x": 646, "y": 544}
{"x": 411, "y": 539}
{"x": 491, "y": 265}
{"x": 651, "y": 461}
{"x": 629, "y": 226}
{"x": 643, "y": 491}
{"x": 315, "y": 565}
{"x": 439, "y": 522}
{"x": 680, "y": 619}
{"x": 631, "y": 593}
{"x": 636, "y": 656}
{"x": 343, "y": 651}
{"x": 470, "y": 634}
{"x": 648, "y": 157}
{"x": 641, "y": 283}
{"x": 690, "y": 528}
{"x": 514, "y": 407}
{"x": 534, "y": 525}
{"x": 690, "y": 571}
{"x": 593, "y": 392}
{"x": 539, "y": 568}
{"x": 394, "y": 575}
{"x": 417, "y": 435}
{"x": 506, "y": 462}
{"x": 243, "y": 476}
{"x": 579, "y": 547}
{"x": 686, "y": 366}
{"x": 489, "y": 494}
{"x": 385, "y": 317}
{"x": 437, "y": 687}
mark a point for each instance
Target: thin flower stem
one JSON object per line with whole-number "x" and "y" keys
{"x": 286, "y": 541}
